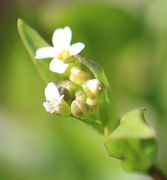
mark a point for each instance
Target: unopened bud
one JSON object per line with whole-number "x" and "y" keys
{"x": 81, "y": 96}
{"x": 63, "y": 109}
{"x": 71, "y": 87}
{"x": 91, "y": 102}
{"x": 92, "y": 87}
{"x": 66, "y": 93}
{"x": 78, "y": 76}
{"x": 78, "y": 109}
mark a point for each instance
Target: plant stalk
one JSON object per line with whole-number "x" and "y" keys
{"x": 156, "y": 173}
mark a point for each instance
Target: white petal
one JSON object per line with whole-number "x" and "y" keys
{"x": 58, "y": 66}
{"x": 47, "y": 106}
{"x": 51, "y": 92}
{"x": 59, "y": 100}
{"x": 62, "y": 38}
{"x": 76, "y": 48}
{"x": 46, "y": 52}
{"x": 57, "y": 104}
{"x": 93, "y": 84}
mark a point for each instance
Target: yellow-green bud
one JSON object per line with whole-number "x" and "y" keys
{"x": 66, "y": 93}
{"x": 78, "y": 76}
{"x": 81, "y": 96}
{"x": 91, "y": 102}
{"x": 92, "y": 87}
{"x": 71, "y": 87}
{"x": 78, "y": 109}
{"x": 64, "y": 109}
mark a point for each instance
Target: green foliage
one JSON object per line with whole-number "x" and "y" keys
{"x": 133, "y": 142}
{"x": 32, "y": 41}
{"x": 107, "y": 112}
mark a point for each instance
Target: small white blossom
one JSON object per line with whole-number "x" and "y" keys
{"x": 53, "y": 98}
{"x": 61, "y": 50}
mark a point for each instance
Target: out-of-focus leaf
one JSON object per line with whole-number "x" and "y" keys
{"x": 32, "y": 41}
{"x": 104, "y": 32}
{"x": 133, "y": 142}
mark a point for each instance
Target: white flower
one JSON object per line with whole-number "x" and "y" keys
{"x": 53, "y": 98}
{"x": 61, "y": 50}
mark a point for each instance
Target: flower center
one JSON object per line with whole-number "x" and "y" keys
{"x": 63, "y": 54}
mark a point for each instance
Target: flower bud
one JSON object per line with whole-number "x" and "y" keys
{"x": 91, "y": 102}
{"x": 63, "y": 109}
{"x": 92, "y": 87}
{"x": 78, "y": 109}
{"x": 78, "y": 76}
{"x": 81, "y": 96}
{"x": 66, "y": 93}
{"x": 67, "y": 84}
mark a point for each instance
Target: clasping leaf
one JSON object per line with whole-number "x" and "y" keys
{"x": 133, "y": 142}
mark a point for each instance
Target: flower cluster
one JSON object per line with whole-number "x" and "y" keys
{"x": 78, "y": 92}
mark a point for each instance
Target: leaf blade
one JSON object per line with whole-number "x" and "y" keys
{"x": 133, "y": 142}
{"x": 32, "y": 41}
{"x": 107, "y": 108}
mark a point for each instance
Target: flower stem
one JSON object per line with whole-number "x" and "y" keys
{"x": 156, "y": 173}
{"x": 106, "y": 132}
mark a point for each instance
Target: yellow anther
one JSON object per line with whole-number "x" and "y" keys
{"x": 63, "y": 54}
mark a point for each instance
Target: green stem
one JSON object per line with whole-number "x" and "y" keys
{"x": 106, "y": 132}
{"x": 156, "y": 173}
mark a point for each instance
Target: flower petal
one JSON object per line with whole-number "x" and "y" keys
{"x": 62, "y": 38}
{"x": 51, "y": 92}
{"x": 58, "y": 66}
{"x": 76, "y": 48}
{"x": 57, "y": 104}
{"x": 93, "y": 84}
{"x": 47, "y": 106}
{"x": 45, "y": 52}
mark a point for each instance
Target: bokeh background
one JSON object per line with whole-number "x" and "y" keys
{"x": 128, "y": 38}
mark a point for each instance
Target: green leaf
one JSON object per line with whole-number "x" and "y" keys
{"x": 133, "y": 142}
{"x": 106, "y": 110}
{"x": 32, "y": 41}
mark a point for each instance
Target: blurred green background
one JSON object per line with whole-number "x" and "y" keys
{"x": 128, "y": 38}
